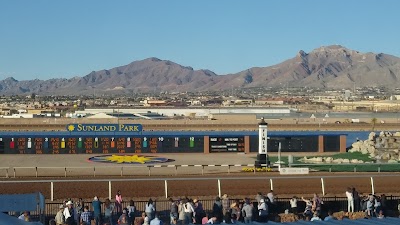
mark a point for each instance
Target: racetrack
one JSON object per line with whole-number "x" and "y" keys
{"x": 140, "y": 186}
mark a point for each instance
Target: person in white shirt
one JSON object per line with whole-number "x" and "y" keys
{"x": 293, "y": 205}
{"x": 315, "y": 217}
{"x": 188, "y": 209}
{"x": 350, "y": 200}
{"x": 262, "y": 211}
{"x": 70, "y": 214}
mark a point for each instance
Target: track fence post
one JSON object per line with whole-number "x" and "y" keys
{"x": 372, "y": 186}
{"x": 65, "y": 171}
{"x": 271, "y": 184}
{"x": 14, "y": 172}
{"x": 122, "y": 171}
{"x": 109, "y": 189}
{"x": 176, "y": 170}
{"x": 229, "y": 169}
{"x": 219, "y": 188}
{"x": 36, "y": 171}
{"x": 7, "y": 172}
{"x": 202, "y": 169}
{"x": 323, "y": 186}
{"x": 149, "y": 170}
{"x": 94, "y": 171}
{"x": 166, "y": 188}
{"x": 52, "y": 191}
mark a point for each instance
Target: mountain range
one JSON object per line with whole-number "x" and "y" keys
{"x": 333, "y": 67}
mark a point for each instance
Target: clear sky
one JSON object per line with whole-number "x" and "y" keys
{"x": 49, "y": 39}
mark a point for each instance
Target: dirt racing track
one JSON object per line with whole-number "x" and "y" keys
{"x": 136, "y": 183}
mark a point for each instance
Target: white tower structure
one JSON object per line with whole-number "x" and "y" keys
{"x": 262, "y": 137}
{"x": 262, "y": 157}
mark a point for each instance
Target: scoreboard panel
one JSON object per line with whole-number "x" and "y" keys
{"x": 100, "y": 144}
{"x": 227, "y": 144}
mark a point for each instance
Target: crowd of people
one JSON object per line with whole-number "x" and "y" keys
{"x": 185, "y": 211}
{"x": 372, "y": 205}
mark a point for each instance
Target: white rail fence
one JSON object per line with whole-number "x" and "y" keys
{"x": 218, "y": 181}
{"x": 129, "y": 170}
{"x": 70, "y": 171}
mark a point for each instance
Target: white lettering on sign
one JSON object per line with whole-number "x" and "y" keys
{"x": 293, "y": 170}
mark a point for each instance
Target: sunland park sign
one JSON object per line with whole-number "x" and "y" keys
{"x": 104, "y": 127}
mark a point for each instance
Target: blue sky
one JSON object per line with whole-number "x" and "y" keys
{"x": 49, "y": 39}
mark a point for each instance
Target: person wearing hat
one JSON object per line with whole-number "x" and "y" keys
{"x": 70, "y": 214}
{"x": 59, "y": 219}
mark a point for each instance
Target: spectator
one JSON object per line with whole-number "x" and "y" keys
{"x": 377, "y": 205}
{"x": 173, "y": 212}
{"x": 235, "y": 210}
{"x": 150, "y": 210}
{"x": 118, "y": 202}
{"x": 25, "y": 216}
{"x": 316, "y": 204}
{"x": 146, "y": 221}
{"x": 181, "y": 211}
{"x": 96, "y": 204}
{"x": 228, "y": 218}
{"x": 189, "y": 210}
{"x": 381, "y": 215}
{"x": 156, "y": 220}
{"x": 330, "y": 216}
{"x": 124, "y": 218}
{"x": 308, "y": 209}
{"x": 263, "y": 211}
{"x": 79, "y": 207}
{"x": 217, "y": 209}
{"x": 370, "y": 206}
{"x": 383, "y": 203}
{"x": 70, "y": 214}
{"x": 225, "y": 204}
{"x": 356, "y": 197}
{"x": 140, "y": 220}
{"x": 271, "y": 197}
{"x": 205, "y": 219}
{"x": 293, "y": 205}
{"x": 259, "y": 196}
{"x": 247, "y": 211}
{"x": 86, "y": 215}
{"x": 108, "y": 211}
{"x": 198, "y": 211}
{"x": 212, "y": 220}
{"x": 59, "y": 219}
{"x": 315, "y": 217}
{"x": 350, "y": 200}
{"x": 131, "y": 211}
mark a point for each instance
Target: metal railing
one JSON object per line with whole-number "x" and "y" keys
{"x": 217, "y": 179}
{"x": 335, "y": 204}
